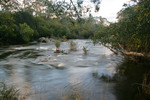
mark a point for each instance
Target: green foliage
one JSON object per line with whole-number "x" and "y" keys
{"x": 42, "y": 27}
{"x": 26, "y": 32}
{"x": 73, "y": 46}
{"x": 22, "y": 26}
{"x": 8, "y": 93}
{"x": 64, "y": 38}
{"x": 7, "y": 27}
{"x": 57, "y": 44}
{"x": 22, "y": 17}
{"x": 85, "y": 50}
{"x": 53, "y": 21}
{"x": 59, "y": 29}
{"x": 132, "y": 31}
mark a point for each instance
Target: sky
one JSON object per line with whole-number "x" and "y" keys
{"x": 108, "y": 8}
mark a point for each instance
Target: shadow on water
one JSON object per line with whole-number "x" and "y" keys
{"x": 9, "y": 52}
{"x": 30, "y": 54}
{"x": 4, "y": 55}
{"x": 129, "y": 79}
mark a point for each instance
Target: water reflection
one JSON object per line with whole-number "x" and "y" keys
{"x": 129, "y": 77}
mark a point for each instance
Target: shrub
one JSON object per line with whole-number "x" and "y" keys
{"x": 26, "y": 32}
{"x": 85, "y": 50}
{"x": 64, "y": 38}
{"x": 57, "y": 44}
{"x": 73, "y": 46}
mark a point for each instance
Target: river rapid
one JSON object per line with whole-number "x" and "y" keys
{"x": 41, "y": 74}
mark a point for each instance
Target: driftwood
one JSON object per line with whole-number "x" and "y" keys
{"x": 128, "y": 53}
{"x": 136, "y": 54}
{"x": 110, "y": 48}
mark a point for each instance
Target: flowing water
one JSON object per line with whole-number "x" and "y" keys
{"x": 42, "y": 74}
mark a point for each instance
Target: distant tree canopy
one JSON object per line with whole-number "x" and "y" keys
{"x": 21, "y": 22}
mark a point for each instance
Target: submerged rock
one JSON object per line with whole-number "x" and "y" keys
{"x": 44, "y": 40}
{"x": 34, "y": 42}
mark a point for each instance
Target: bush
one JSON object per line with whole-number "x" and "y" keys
{"x": 73, "y": 46}
{"x": 85, "y": 50}
{"x": 57, "y": 44}
{"x": 7, "y": 28}
{"x": 26, "y": 32}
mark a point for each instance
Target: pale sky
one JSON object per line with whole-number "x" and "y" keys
{"x": 108, "y": 8}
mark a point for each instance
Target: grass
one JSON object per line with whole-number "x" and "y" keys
{"x": 9, "y": 92}
{"x": 144, "y": 90}
{"x": 85, "y": 50}
{"x": 73, "y": 46}
{"x": 145, "y": 86}
{"x": 57, "y": 44}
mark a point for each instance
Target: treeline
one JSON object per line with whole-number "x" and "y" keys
{"x": 22, "y": 27}
{"x": 22, "y": 23}
{"x": 131, "y": 34}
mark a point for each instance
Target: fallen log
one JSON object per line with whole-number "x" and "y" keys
{"x": 136, "y": 54}
{"x": 128, "y": 53}
{"x": 110, "y": 48}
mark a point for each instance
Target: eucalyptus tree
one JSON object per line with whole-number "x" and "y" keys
{"x": 131, "y": 34}
{"x": 9, "y": 5}
{"x": 72, "y": 8}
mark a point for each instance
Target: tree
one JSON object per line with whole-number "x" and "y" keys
{"x": 26, "y": 32}
{"x": 9, "y": 5}
{"x": 22, "y": 17}
{"x": 7, "y": 28}
{"x": 130, "y": 35}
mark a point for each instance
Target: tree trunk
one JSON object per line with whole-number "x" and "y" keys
{"x": 128, "y": 53}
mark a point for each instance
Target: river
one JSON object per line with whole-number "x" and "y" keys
{"x": 41, "y": 74}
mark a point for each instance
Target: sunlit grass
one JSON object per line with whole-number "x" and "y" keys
{"x": 73, "y": 46}
{"x": 57, "y": 44}
{"x": 85, "y": 50}
{"x": 9, "y": 92}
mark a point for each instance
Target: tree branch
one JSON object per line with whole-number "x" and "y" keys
{"x": 127, "y": 53}
{"x": 75, "y": 8}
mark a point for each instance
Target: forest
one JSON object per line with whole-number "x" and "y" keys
{"x": 22, "y": 23}
{"x": 95, "y": 59}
